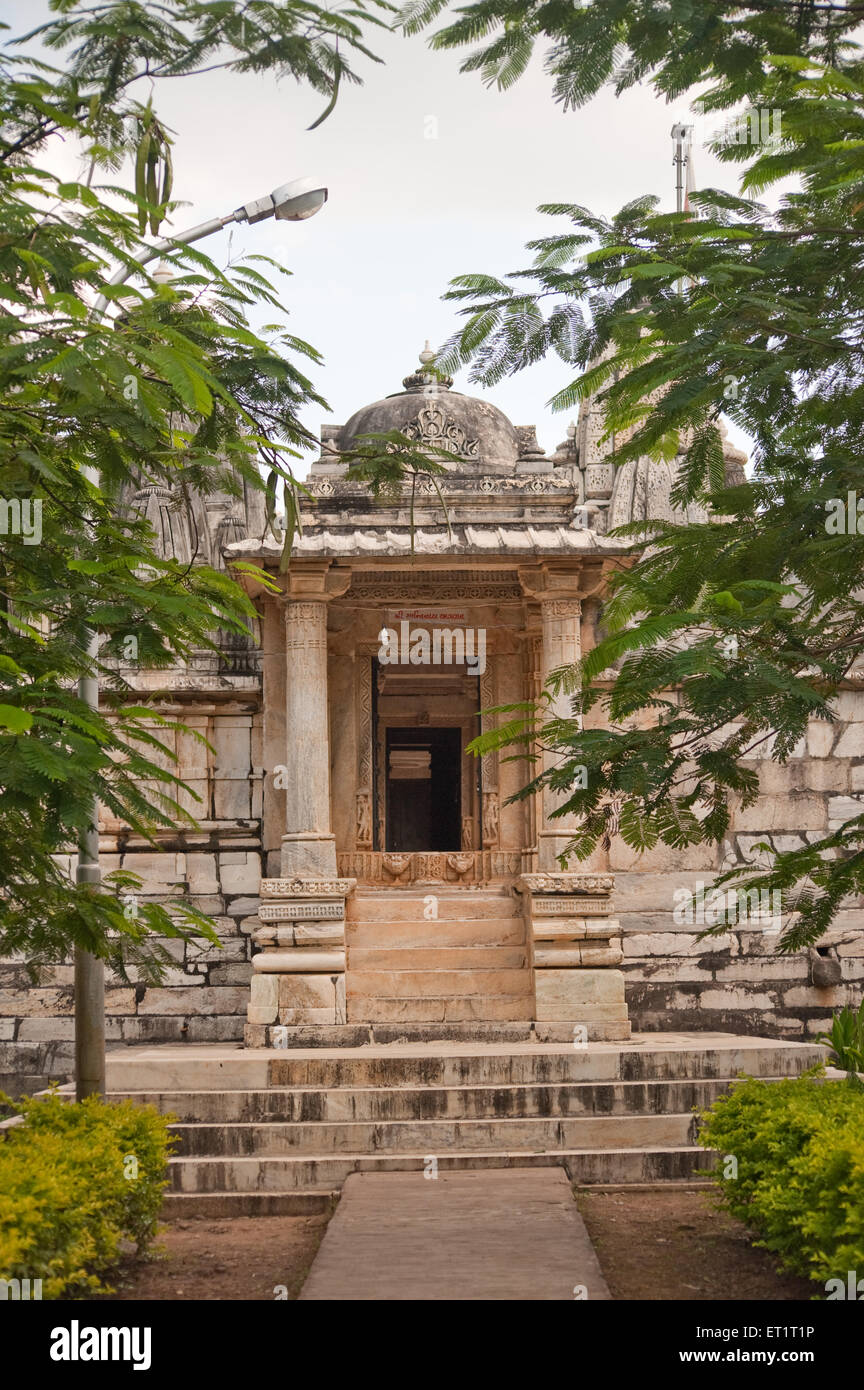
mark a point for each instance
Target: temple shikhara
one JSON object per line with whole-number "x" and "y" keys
{"x": 369, "y": 876}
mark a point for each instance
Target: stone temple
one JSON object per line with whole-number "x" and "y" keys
{"x": 369, "y": 876}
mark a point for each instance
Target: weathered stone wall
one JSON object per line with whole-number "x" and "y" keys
{"x": 738, "y": 981}
{"x": 217, "y": 868}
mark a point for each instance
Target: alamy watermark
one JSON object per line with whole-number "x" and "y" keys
{"x": 438, "y": 646}
{"x": 845, "y": 515}
{"x": 756, "y": 906}
{"x": 758, "y": 125}
{"x": 21, "y": 518}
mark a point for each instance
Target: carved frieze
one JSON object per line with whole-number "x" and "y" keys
{"x": 307, "y": 887}
{"x": 301, "y": 911}
{"x": 567, "y": 905}
{"x": 467, "y": 866}
{"x": 566, "y": 883}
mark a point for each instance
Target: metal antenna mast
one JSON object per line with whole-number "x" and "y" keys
{"x": 681, "y": 134}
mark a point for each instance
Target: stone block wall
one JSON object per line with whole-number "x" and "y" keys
{"x": 738, "y": 982}
{"x": 216, "y": 868}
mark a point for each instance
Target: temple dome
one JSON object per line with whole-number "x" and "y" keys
{"x": 478, "y": 435}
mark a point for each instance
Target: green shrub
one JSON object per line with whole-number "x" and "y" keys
{"x": 799, "y": 1151}
{"x": 846, "y": 1040}
{"x": 75, "y": 1179}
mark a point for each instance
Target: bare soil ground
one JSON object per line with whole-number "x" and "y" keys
{"x": 671, "y": 1243}
{"x": 662, "y": 1244}
{"x": 235, "y": 1259}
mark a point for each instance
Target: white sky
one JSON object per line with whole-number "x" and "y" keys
{"x": 406, "y": 213}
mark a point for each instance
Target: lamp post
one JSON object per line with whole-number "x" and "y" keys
{"x": 291, "y": 202}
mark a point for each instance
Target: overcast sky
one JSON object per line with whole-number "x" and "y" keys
{"x": 431, "y": 175}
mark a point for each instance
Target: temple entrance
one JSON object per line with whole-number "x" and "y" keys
{"x": 424, "y": 775}
{"x": 425, "y": 786}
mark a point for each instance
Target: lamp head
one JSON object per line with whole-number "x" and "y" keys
{"x": 299, "y": 199}
{"x": 292, "y": 202}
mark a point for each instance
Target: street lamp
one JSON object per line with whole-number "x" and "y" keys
{"x": 291, "y": 202}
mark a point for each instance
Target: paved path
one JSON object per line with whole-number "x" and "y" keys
{"x": 500, "y": 1233}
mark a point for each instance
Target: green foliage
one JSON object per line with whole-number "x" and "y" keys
{"x": 75, "y": 1179}
{"x": 676, "y": 44}
{"x": 736, "y": 625}
{"x": 175, "y": 389}
{"x": 799, "y": 1149}
{"x": 387, "y": 461}
{"x": 846, "y": 1040}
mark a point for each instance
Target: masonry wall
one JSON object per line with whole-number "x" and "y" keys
{"x": 217, "y": 868}
{"x": 738, "y": 982}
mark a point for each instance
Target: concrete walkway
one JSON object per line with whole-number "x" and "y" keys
{"x": 511, "y": 1233}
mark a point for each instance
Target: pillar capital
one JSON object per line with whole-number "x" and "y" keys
{"x": 554, "y": 582}
{"x": 317, "y": 582}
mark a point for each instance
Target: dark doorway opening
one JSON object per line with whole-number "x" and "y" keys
{"x": 424, "y": 789}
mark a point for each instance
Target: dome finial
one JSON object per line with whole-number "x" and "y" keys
{"x": 424, "y": 377}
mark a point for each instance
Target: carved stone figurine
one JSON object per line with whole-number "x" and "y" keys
{"x": 364, "y": 819}
{"x": 490, "y": 818}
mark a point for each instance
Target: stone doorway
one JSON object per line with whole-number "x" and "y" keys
{"x": 423, "y": 794}
{"x": 427, "y": 789}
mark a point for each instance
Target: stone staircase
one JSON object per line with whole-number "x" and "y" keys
{"x": 277, "y": 1132}
{"x": 467, "y": 963}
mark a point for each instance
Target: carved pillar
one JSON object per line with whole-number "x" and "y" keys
{"x": 490, "y": 812}
{"x": 308, "y": 846}
{"x": 364, "y": 809}
{"x": 300, "y": 966}
{"x": 562, "y": 646}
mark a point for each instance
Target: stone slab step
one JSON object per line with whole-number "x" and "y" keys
{"x": 467, "y": 931}
{"x": 460, "y": 905}
{"x": 431, "y": 1008}
{"x": 517, "y": 1065}
{"x": 438, "y": 984}
{"x": 363, "y": 960}
{"x": 194, "y": 1067}
{"x": 183, "y": 1206}
{"x": 280, "y": 1175}
{"x": 433, "y": 1136}
{"x": 309, "y": 1105}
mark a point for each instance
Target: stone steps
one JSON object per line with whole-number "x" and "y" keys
{"x": 413, "y": 905}
{"x": 470, "y": 963}
{"x": 404, "y": 960}
{"x": 276, "y": 1139}
{"x": 273, "y": 1131}
{"x": 398, "y": 933}
{"x": 431, "y": 1007}
{"x": 315, "y": 1172}
{"x": 309, "y": 1104}
{"x": 172, "y": 1068}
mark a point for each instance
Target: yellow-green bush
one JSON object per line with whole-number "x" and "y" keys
{"x": 798, "y": 1176}
{"x": 75, "y": 1179}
